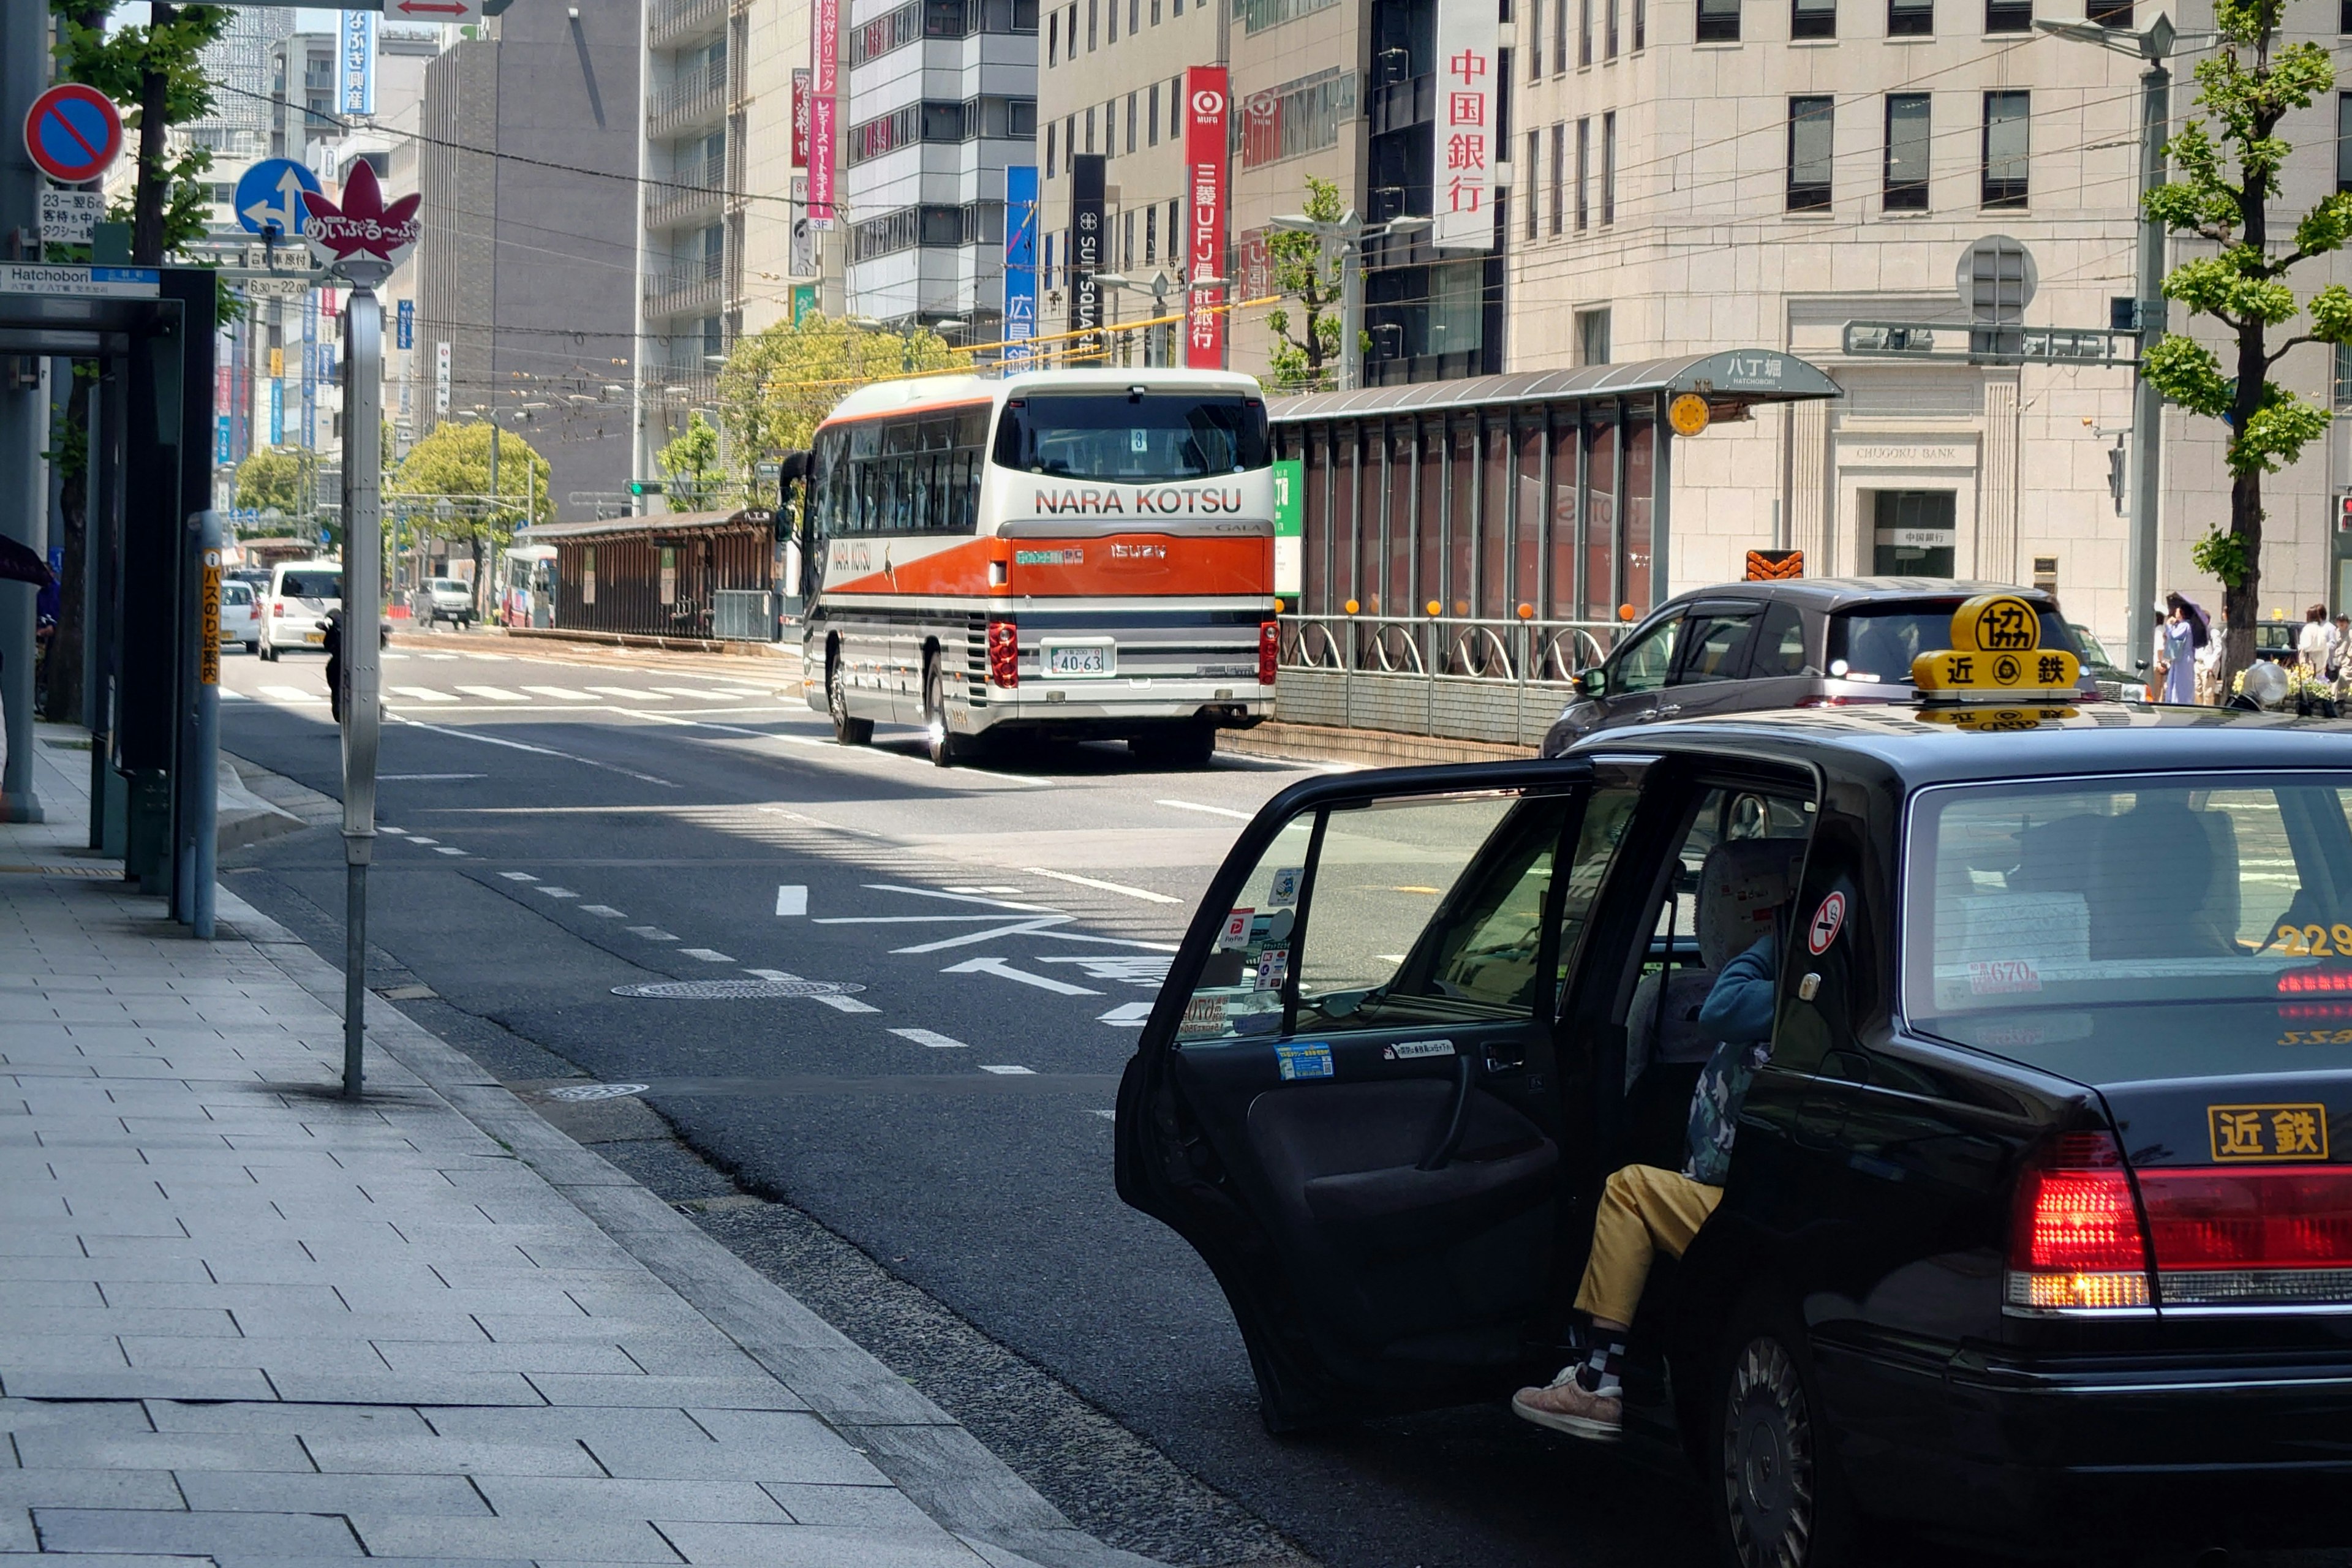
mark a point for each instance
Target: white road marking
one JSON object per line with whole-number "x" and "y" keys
{"x": 1108, "y": 1115}
{"x": 436, "y": 656}
{"x": 791, "y": 900}
{"x": 1144, "y": 893}
{"x": 708, "y": 954}
{"x": 1019, "y": 1072}
{"x": 1211, "y": 810}
{"x": 387, "y": 653}
{"x": 495, "y": 693}
{"x": 1126, "y": 1016}
{"x": 555, "y": 892}
{"x": 449, "y": 849}
{"x": 1000, "y": 968}
{"x": 938, "y": 1042}
{"x": 607, "y": 911}
{"x": 519, "y": 875}
{"x": 633, "y": 692}
{"x": 1147, "y": 971}
{"x": 424, "y": 694}
{"x": 537, "y": 750}
{"x": 704, "y": 692}
{"x": 846, "y": 1004}
{"x": 228, "y": 695}
{"x": 653, "y": 933}
{"x": 559, "y": 693}
{"x": 294, "y": 694}
{"x": 1018, "y": 928}
{"x": 1008, "y": 892}
{"x": 426, "y": 778}
{"x": 962, "y": 898}
{"x": 413, "y": 838}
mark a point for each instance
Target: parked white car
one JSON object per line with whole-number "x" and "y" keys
{"x": 240, "y": 617}
{"x": 294, "y": 611}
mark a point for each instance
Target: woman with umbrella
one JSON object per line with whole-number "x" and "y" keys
{"x": 2185, "y": 630}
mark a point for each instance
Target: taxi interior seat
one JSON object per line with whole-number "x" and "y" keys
{"x": 2167, "y": 884}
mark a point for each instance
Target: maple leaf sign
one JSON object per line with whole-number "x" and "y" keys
{"x": 360, "y": 224}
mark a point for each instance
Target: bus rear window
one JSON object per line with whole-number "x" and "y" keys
{"x": 1132, "y": 437}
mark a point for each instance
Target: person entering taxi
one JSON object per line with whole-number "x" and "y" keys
{"x": 1645, "y": 1209}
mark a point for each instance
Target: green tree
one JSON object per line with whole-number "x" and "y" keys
{"x": 454, "y": 461}
{"x": 1300, "y": 271}
{"x": 280, "y": 477}
{"x": 781, "y": 381}
{"x": 2227, "y": 176}
{"x": 155, "y": 70}
{"x": 692, "y": 467}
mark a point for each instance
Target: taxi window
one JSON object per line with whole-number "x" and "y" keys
{"x": 1643, "y": 666}
{"x": 1714, "y": 645}
{"x": 1879, "y": 642}
{"x": 2124, "y": 909}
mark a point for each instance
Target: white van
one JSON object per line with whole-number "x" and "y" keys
{"x": 294, "y": 613}
{"x": 240, "y": 620}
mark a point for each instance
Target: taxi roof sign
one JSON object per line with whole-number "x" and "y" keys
{"x": 1995, "y": 653}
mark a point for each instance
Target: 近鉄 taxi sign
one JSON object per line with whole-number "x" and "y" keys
{"x": 1995, "y": 649}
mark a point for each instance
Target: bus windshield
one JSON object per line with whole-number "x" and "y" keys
{"x": 1138, "y": 437}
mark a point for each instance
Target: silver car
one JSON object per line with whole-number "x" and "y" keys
{"x": 448, "y": 599}
{"x": 1811, "y": 642}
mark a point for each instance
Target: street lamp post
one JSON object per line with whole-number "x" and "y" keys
{"x": 1159, "y": 347}
{"x": 1349, "y": 236}
{"x": 2154, "y": 44}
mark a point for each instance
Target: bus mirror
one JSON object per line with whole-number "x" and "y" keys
{"x": 794, "y": 466}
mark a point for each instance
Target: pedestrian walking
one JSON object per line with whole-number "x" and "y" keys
{"x": 2185, "y": 633}
{"x": 2315, "y": 647}
{"x": 334, "y": 645}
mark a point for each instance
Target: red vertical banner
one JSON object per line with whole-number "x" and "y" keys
{"x": 823, "y": 107}
{"x": 800, "y": 118}
{"x": 1206, "y": 163}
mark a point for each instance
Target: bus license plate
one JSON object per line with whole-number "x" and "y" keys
{"x": 1076, "y": 661}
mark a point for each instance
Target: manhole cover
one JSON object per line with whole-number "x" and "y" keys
{"x": 737, "y": 990}
{"x": 597, "y": 1091}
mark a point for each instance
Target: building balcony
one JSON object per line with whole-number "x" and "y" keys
{"x": 692, "y": 291}
{"x": 1402, "y": 105}
{"x": 696, "y": 101}
{"x": 687, "y": 204}
{"x": 675, "y": 23}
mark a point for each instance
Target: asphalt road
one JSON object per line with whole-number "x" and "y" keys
{"x": 560, "y": 824}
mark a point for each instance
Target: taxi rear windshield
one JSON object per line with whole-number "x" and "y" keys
{"x": 1132, "y": 437}
{"x": 1879, "y": 642}
{"x": 2162, "y": 898}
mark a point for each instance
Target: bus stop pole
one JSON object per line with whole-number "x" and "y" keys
{"x": 203, "y": 763}
{"x": 362, "y": 615}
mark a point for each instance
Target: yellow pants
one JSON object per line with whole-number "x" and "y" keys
{"x": 1642, "y": 1210}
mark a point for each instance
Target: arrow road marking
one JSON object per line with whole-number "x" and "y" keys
{"x": 997, "y": 966}
{"x": 1018, "y": 928}
{"x": 791, "y": 900}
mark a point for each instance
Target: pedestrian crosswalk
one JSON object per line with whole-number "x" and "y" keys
{"x": 543, "y": 696}
{"x": 494, "y": 693}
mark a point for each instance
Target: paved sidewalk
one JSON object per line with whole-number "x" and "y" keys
{"x": 243, "y": 1321}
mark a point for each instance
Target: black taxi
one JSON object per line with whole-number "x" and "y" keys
{"x": 2038, "y": 1223}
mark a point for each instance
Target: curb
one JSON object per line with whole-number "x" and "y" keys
{"x": 1374, "y": 748}
{"x": 941, "y": 1468}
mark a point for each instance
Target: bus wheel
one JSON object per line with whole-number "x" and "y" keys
{"x": 849, "y": 732}
{"x": 947, "y": 747}
{"x": 1176, "y": 748}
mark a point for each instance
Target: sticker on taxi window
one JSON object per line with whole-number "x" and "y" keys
{"x": 1236, "y": 933}
{"x": 1414, "y": 1050}
{"x": 1285, "y": 885}
{"x": 1823, "y": 928}
{"x": 1272, "y": 968}
{"x": 2270, "y": 1133}
{"x": 2314, "y": 940}
{"x": 2003, "y": 977}
{"x": 1303, "y": 1060}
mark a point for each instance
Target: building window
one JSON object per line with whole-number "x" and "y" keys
{"x": 1110, "y": 129}
{"x": 1151, "y": 234}
{"x": 1907, "y": 153}
{"x": 1610, "y": 33}
{"x": 1813, "y": 19}
{"x": 1560, "y": 35}
{"x": 1583, "y": 174}
{"x": 1111, "y": 24}
{"x": 1535, "y": 39}
{"x": 1152, "y": 114}
{"x": 1175, "y": 234}
{"x": 1257, "y": 16}
{"x": 1090, "y": 130}
{"x": 2006, "y": 149}
{"x": 2112, "y": 14}
{"x": 2344, "y": 139}
{"x": 1583, "y": 32}
{"x": 1297, "y": 117}
{"x": 1641, "y": 25}
{"x": 1176, "y": 105}
{"x": 1527, "y": 179}
{"x": 1910, "y": 18}
{"x": 1093, "y": 20}
{"x": 1069, "y": 141}
{"x": 2009, "y": 15}
{"x": 1718, "y": 21}
{"x": 1131, "y": 108}
{"x": 1048, "y": 277}
{"x": 1053, "y": 36}
{"x": 1050, "y": 128}
{"x": 1559, "y": 177}
{"x": 2343, "y": 376}
{"x": 1609, "y": 168}
{"x": 1127, "y": 242}
{"x": 1809, "y": 124}
{"x": 1593, "y": 336}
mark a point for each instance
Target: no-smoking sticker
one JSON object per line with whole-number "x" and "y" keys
{"x": 1826, "y": 922}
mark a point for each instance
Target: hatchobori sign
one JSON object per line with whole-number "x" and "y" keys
{"x": 1995, "y": 648}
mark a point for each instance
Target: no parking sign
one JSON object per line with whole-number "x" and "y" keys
{"x": 73, "y": 133}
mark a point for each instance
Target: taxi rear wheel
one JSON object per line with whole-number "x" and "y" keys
{"x": 1780, "y": 1500}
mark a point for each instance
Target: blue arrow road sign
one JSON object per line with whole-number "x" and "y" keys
{"x": 269, "y": 196}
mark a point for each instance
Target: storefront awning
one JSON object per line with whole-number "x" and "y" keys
{"x": 1733, "y": 375}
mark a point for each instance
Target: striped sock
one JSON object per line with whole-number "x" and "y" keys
{"x": 1599, "y": 1374}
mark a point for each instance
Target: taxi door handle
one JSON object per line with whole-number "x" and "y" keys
{"x": 1667, "y": 711}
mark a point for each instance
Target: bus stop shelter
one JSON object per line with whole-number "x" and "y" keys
{"x": 150, "y": 416}
{"x": 1466, "y": 547}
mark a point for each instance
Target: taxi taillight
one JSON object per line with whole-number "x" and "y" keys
{"x": 1269, "y": 650}
{"x": 2275, "y": 1235}
{"x": 2075, "y": 1240}
{"x": 1003, "y": 653}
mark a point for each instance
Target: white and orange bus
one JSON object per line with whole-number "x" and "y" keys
{"x": 1075, "y": 554}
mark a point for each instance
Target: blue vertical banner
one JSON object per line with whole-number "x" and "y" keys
{"x": 309, "y": 366}
{"x": 277, "y": 411}
{"x": 355, "y": 63}
{"x": 221, "y": 449}
{"x": 1020, "y": 263}
{"x": 404, "y": 331}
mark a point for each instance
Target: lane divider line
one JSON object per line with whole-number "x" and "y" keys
{"x": 1144, "y": 893}
{"x": 932, "y": 1038}
{"x": 1211, "y": 810}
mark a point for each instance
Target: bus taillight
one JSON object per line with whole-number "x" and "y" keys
{"x": 1269, "y": 647}
{"x": 1003, "y": 653}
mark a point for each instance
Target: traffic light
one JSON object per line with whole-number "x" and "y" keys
{"x": 644, "y": 487}
{"x": 2343, "y": 514}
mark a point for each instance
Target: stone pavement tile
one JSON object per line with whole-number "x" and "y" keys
{"x": 316, "y": 1355}
{"x": 22, "y": 1204}
{"x": 105, "y": 1274}
{"x": 16, "y": 1294}
{"x": 278, "y": 1325}
{"x": 449, "y": 1456}
{"x": 591, "y": 1539}
{"x": 48, "y": 1450}
{"x": 569, "y": 1497}
{"x": 81, "y": 1352}
{"x": 520, "y": 1301}
{"x": 137, "y": 1382}
{"x": 391, "y": 1387}
{"x": 239, "y": 1298}
{"x": 665, "y": 1357}
{"x": 264, "y": 1493}
{"x": 550, "y": 1424}
{"x": 817, "y": 1454}
{"x": 862, "y": 1508}
{"x": 159, "y": 1321}
{"x": 756, "y": 1392}
{"x": 27, "y": 1244}
{"x": 817, "y": 1546}
{"x": 291, "y": 1420}
{"x": 560, "y": 1356}
{"x": 89, "y": 1489}
{"x": 16, "y": 1530}
{"x": 34, "y": 1415}
{"x": 153, "y": 1530}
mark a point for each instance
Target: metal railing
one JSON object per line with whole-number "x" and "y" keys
{"x": 676, "y": 205}
{"x": 698, "y": 96}
{"x": 1458, "y": 676}
{"x": 692, "y": 294}
{"x": 673, "y": 21}
{"x": 743, "y": 615}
